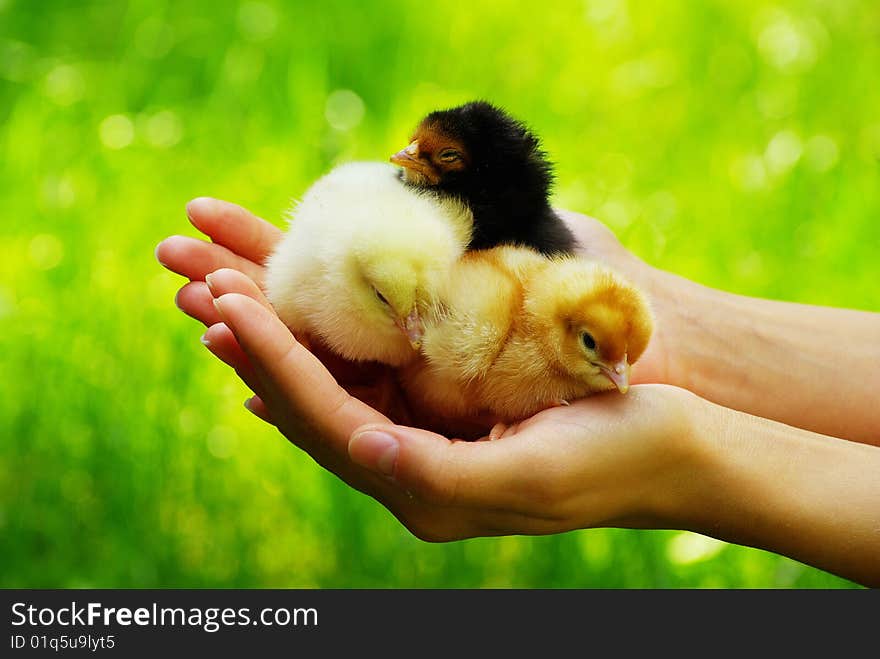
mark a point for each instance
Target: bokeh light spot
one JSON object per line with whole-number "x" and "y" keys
{"x": 783, "y": 151}
{"x": 685, "y": 548}
{"x": 661, "y": 207}
{"x": 163, "y": 130}
{"x": 821, "y": 153}
{"x": 257, "y": 20}
{"x": 655, "y": 71}
{"x": 749, "y": 172}
{"x": 243, "y": 64}
{"x": 58, "y": 192}
{"x": 599, "y": 11}
{"x": 45, "y": 251}
{"x": 64, "y": 85}
{"x": 188, "y": 421}
{"x": 786, "y": 44}
{"x": 116, "y": 131}
{"x": 615, "y": 214}
{"x": 344, "y": 109}
{"x": 221, "y": 441}
{"x": 7, "y": 302}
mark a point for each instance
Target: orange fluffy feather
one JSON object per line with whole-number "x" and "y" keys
{"x": 507, "y": 337}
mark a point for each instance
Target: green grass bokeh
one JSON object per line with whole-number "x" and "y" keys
{"x": 737, "y": 144}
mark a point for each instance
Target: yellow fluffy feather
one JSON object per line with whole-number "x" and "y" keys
{"x": 514, "y": 332}
{"x": 361, "y": 260}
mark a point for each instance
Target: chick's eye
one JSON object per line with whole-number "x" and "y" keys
{"x": 588, "y": 341}
{"x": 449, "y": 155}
{"x": 380, "y": 296}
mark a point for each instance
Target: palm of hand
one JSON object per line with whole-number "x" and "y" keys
{"x": 378, "y": 385}
{"x": 242, "y": 241}
{"x": 461, "y": 489}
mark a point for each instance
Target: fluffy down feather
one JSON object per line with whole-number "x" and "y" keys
{"x": 514, "y": 333}
{"x": 361, "y": 261}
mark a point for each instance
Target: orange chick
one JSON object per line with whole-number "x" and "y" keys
{"x": 515, "y": 332}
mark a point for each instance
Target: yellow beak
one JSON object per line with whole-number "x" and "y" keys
{"x": 412, "y": 328}
{"x": 618, "y": 373}
{"x": 405, "y": 157}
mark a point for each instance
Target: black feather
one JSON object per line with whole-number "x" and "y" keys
{"x": 507, "y": 185}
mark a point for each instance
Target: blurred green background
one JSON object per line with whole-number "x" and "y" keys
{"x": 734, "y": 143}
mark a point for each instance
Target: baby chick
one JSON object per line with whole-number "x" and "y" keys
{"x": 361, "y": 259}
{"x": 492, "y": 162}
{"x": 514, "y": 333}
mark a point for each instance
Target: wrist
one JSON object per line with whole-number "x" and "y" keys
{"x": 704, "y": 482}
{"x": 676, "y": 304}
{"x": 682, "y": 310}
{"x": 670, "y": 487}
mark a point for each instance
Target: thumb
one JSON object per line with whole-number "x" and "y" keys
{"x": 443, "y": 472}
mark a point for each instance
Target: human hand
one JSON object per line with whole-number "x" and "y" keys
{"x": 239, "y": 240}
{"x": 657, "y": 457}
{"x": 608, "y": 460}
{"x": 242, "y": 241}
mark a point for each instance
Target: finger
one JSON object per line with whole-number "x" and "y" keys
{"x": 194, "y": 258}
{"x": 257, "y": 407}
{"x": 220, "y": 340}
{"x": 292, "y": 375}
{"x": 346, "y": 373}
{"x": 496, "y": 475}
{"x": 195, "y": 300}
{"x": 227, "y": 280}
{"x": 234, "y": 227}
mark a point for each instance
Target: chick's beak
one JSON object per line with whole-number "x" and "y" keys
{"x": 618, "y": 373}
{"x": 416, "y": 169}
{"x": 405, "y": 157}
{"x": 412, "y": 327}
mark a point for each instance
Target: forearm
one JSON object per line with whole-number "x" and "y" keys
{"x": 816, "y": 368}
{"x": 764, "y": 484}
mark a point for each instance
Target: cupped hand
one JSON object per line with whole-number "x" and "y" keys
{"x": 242, "y": 241}
{"x": 609, "y": 460}
{"x": 559, "y": 470}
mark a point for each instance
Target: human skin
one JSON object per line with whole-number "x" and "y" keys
{"x": 659, "y": 457}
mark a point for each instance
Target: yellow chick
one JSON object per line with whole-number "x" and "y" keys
{"x": 361, "y": 260}
{"x": 515, "y": 332}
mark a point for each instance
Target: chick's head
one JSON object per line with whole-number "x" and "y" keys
{"x": 393, "y": 292}
{"x": 596, "y": 323}
{"x": 394, "y": 279}
{"x": 475, "y": 150}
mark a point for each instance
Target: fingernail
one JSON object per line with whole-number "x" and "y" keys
{"x": 193, "y": 202}
{"x": 249, "y": 405}
{"x": 208, "y": 282}
{"x": 217, "y": 306}
{"x": 156, "y": 254}
{"x": 374, "y": 450}
{"x": 204, "y": 339}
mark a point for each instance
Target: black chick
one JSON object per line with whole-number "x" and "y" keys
{"x": 493, "y": 163}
